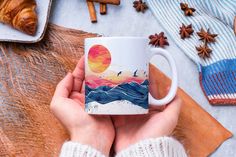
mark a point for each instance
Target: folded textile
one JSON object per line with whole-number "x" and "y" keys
{"x": 217, "y": 74}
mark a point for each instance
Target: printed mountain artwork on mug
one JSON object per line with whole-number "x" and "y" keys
{"x": 112, "y": 88}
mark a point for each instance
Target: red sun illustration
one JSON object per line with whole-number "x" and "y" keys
{"x": 99, "y": 58}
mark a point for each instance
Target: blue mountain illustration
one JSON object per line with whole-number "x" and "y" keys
{"x": 133, "y": 92}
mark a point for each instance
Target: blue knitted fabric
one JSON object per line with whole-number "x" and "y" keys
{"x": 217, "y": 73}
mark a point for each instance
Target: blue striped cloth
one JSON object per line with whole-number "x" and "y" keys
{"x": 218, "y": 73}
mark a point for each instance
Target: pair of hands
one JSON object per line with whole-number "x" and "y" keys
{"x": 101, "y": 132}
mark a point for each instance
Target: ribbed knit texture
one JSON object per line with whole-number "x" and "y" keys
{"x": 160, "y": 147}
{"x": 218, "y": 73}
{"x": 74, "y": 149}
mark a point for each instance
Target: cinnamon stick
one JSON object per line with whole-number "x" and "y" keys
{"x": 114, "y": 2}
{"x": 103, "y": 8}
{"x": 235, "y": 25}
{"x": 92, "y": 11}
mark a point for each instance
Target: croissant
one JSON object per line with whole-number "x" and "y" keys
{"x": 20, "y": 14}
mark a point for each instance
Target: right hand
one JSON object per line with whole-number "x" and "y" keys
{"x": 132, "y": 129}
{"x": 68, "y": 106}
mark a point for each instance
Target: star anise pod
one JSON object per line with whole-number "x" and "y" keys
{"x": 183, "y": 6}
{"x": 206, "y": 36}
{"x": 187, "y": 11}
{"x": 140, "y": 6}
{"x": 158, "y": 40}
{"x": 186, "y": 31}
{"x": 204, "y": 51}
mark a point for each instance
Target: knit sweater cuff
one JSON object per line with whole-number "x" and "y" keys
{"x": 218, "y": 82}
{"x": 71, "y": 149}
{"x": 160, "y": 147}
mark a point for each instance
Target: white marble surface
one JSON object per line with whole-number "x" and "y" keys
{"x": 124, "y": 21}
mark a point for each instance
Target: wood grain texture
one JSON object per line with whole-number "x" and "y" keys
{"x": 29, "y": 74}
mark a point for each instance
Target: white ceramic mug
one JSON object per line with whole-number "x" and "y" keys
{"x": 116, "y": 75}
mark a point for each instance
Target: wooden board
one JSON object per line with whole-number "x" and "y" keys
{"x": 29, "y": 74}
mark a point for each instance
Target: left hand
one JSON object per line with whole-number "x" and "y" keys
{"x": 131, "y": 129}
{"x": 68, "y": 106}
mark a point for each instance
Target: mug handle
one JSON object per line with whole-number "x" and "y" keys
{"x": 174, "y": 85}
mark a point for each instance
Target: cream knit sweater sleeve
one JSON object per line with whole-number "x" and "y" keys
{"x": 159, "y": 147}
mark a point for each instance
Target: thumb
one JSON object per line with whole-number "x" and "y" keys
{"x": 64, "y": 87}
